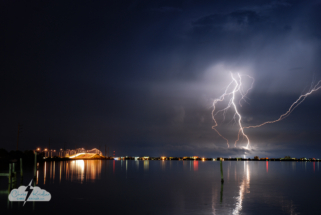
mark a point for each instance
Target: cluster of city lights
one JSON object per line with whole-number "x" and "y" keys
{"x": 48, "y": 152}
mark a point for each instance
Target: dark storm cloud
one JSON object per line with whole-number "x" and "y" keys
{"x": 241, "y": 18}
{"x": 141, "y": 76}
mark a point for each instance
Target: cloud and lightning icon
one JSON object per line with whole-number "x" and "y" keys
{"x": 29, "y": 193}
{"x": 29, "y": 190}
{"x": 230, "y": 94}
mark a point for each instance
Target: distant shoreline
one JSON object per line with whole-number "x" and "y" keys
{"x": 29, "y": 156}
{"x": 179, "y": 159}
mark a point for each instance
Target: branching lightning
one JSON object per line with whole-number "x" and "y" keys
{"x": 238, "y": 88}
{"x": 286, "y": 114}
{"x": 235, "y": 108}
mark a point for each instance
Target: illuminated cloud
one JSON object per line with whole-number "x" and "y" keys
{"x": 143, "y": 75}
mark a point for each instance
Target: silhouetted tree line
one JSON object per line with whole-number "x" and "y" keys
{"x": 15, "y": 155}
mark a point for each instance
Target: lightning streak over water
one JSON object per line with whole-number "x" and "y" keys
{"x": 237, "y": 88}
{"x": 231, "y": 103}
{"x": 286, "y": 114}
{"x": 236, "y": 111}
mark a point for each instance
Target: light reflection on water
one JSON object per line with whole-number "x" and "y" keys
{"x": 146, "y": 165}
{"x": 244, "y": 188}
{"x": 76, "y": 170}
{"x": 44, "y": 173}
{"x": 181, "y": 187}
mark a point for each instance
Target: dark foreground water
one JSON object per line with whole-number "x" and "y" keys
{"x": 171, "y": 187}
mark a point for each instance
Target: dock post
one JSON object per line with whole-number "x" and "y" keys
{"x": 13, "y": 175}
{"x": 9, "y": 173}
{"x": 222, "y": 179}
{"x": 221, "y": 196}
{"x": 21, "y": 173}
{"x": 9, "y": 189}
{"x": 35, "y": 167}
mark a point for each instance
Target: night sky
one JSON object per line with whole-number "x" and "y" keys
{"x": 141, "y": 76}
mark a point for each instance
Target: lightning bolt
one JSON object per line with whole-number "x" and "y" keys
{"x": 236, "y": 111}
{"x": 292, "y": 107}
{"x": 238, "y": 88}
{"x": 244, "y": 95}
{"x": 232, "y": 94}
{"x": 29, "y": 190}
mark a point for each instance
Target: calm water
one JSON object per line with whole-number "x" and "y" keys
{"x": 172, "y": 187}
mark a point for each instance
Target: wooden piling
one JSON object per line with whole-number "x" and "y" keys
{"x": 14, "y": 174}
{"x": 21, "y": 173}
{"x": 35, "y": 167}
{"x": 9, "y": 188}
{"x": 221, "y": 196}
{"x": 10, "y": 173}
{"x": 222, "y": 179}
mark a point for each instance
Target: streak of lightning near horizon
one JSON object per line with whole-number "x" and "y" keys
{"x": 286, "y": 114}
{"x": 238, "y": 88}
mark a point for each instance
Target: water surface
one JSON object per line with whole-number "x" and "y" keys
{"x": 172, "y": 187}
